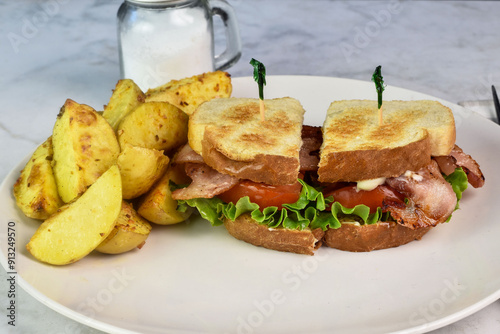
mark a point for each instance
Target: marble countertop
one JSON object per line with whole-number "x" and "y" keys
{"x": 55, "y": 49}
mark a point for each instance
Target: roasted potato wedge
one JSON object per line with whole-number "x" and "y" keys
{"x": 158, "y": 206}
{"x": 125, "y": 98}
{"x": 140, "y": 168}
{"x": 85, "y": 146}
{"x": 156, "y": 125}
{"x": 130, "y": 231}
{"x": 35, "y": 190}
{"x": 79, "y": 227}
{"x": 187, "y": 94}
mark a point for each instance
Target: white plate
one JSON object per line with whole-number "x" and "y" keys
{"x": 196, "y": 278}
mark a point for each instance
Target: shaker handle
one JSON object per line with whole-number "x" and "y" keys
{"x": 232, "y": 53}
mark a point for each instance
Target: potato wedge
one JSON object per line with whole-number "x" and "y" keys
{"x": 85, "y": 146}
{"x": 35, "y": 190}
{"x": 187, "y": 94}
{"x": 79, "y": 227}
{"x": 130, "y": 231}
{"x": 140, "y": 168}
{"x": 125, "y": 98}
{"x": 155, "y": 125}
{"x": 158, "y": 206}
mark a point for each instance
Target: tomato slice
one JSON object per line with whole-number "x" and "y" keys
{"x": 349, "y": 196}
{"x": 263, "y": 194}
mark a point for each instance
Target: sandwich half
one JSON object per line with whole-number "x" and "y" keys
{"x": 390, "y": 173}
{"x": 246, "y": 171}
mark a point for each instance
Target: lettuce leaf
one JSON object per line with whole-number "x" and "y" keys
{"x": 209, "y": 208}
{"x": 307, "y": 211}
{"x": 459, "y": 182}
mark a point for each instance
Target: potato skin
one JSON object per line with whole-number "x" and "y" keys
{"x": 155, "y": 125}
{"x": 365, "y": 238}
{"x": 85, "y": 146}
{"x": 125, "y": 98}
{"x": 187, "y": 94}
{"x": 35, "y": 190}
{"x": 130, "y": 232}
{"x": 77, "y": 228}
{"x": 140, "y": 168}
{"x": 158, "y": 206}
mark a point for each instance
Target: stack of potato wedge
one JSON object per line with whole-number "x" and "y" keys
{"x": 101, "y": 178}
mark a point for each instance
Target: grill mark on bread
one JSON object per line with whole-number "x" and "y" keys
{"x": 346, "y": 127}
{"x": 278, "y": 122}
{"x": 388, "y": 131}
{"x": 242, "y": 113}
{"x": 256, "y": 137}
{"x": 353, "y": 140}
{"x": 345, "y": 130}
{"x": 231, "y": 134}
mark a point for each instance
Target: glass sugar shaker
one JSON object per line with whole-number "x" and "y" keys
{"x": 162, "y": 40}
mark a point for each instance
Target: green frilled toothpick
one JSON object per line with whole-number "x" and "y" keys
{"x": 259, "y": 75}
{"x": 379, "y": 85}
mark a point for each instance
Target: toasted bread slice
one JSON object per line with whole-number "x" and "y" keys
{"x": 231, "y": 137}
{"x": 365, "y": 238}
{"x": 355, "y": 147}
{"x": 188, "y": 93}
{"x": 285, "y": 240}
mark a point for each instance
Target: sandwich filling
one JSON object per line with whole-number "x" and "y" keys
{"x": 415, "y": 199}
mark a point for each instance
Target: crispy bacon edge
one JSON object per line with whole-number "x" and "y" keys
{"x": 458, "y": 158}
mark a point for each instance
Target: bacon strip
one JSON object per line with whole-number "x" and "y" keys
{"x": 187, "y": 154}
{"x": 207, "y": 182}
{"x": 458, "y": 158}
{"x": 431, "y": 200}
{"x": 312, "y": 138}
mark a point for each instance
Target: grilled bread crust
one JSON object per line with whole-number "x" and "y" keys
{"x": 285, "y": 240}
{"x": 269, "y": 169}
{"x": 366, "y": 164}
{"x": 231, "y": 137}
{"x": 365, "y": 238}
{"x": 355, "y": 147}
{"x": 349, "y": 237}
